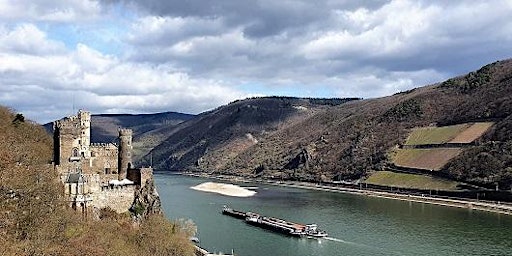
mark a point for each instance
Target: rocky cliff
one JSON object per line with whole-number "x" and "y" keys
{"x": 147, "y": 201}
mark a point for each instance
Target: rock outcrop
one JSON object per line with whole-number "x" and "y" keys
{"x": 146, "y": 202}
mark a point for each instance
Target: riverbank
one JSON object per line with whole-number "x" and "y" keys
{"x": 496, "y": 207}
{"x": 224, "y": 189}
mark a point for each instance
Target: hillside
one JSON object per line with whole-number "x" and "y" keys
{"x": 149, "y": 130}
{"x": 214, "y": 137}
{"x": 302, "y": 140}
{"x": 104, "y": 126}
{"x": 35, "y": 220}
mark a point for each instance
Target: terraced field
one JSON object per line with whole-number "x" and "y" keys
{"x": 427, "y": 159}
{"x": 406, "y": 180}
{"x": 472, "y": 133}
{"x": 435, "y": 135}
{"x": 461, "y": 133}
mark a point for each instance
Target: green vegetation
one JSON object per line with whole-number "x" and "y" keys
{"x": 35, "y": 220}
{"x": 407, "y": 109}
{"x": 461, "y": 133}
{"x": 428, "y": 159}
{"x": 489, "y": 164}
{"x": 435, "y": 135}
{"x": 348, "y": 141}
{"x": 406, "y": 180}
{"x": 471, "y": 81}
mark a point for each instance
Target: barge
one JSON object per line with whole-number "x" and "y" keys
{"x": 233, "y": 213}
{"x": 275, "y": 224}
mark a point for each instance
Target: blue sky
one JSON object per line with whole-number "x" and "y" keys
{"x": 134, "y": 56}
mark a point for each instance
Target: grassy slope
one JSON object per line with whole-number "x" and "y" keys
{"x": 428, "y": 159}
{"x": 435, "y": 135}
{"x": 405, "y": 180}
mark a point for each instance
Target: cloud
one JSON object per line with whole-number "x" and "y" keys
{"x": 160, "y": 55}
{"x": 49, "y": 10}
{"x": 389, "y": 35}
{"x": 27, "y": 39}
{"x": 46, "y": 83}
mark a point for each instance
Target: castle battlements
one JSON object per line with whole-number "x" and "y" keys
{"x": 106, "y": 177}
{"x": 103, "y": 145}
{"x": 125, "y": 132}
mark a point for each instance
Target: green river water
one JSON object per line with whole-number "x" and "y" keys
{"x": 357, "y": 225}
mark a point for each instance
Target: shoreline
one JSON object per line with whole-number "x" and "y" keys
{"x": 500, "y": 208}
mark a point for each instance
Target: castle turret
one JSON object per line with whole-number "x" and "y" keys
{"x": 72, "y": 137}
{"x": 84, "y": 118}
{"x": 125, "y": 152}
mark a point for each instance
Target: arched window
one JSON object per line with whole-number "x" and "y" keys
{"x": 75, "y": 152}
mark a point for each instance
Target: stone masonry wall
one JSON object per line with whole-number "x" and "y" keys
{"x": 146, "y": 173}
{"x": 104, "y": 158}
{"x": 118, "y": 199}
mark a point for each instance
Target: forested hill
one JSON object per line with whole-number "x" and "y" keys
{"x": 214, "y": 137}
{"x": 302, "y": 139}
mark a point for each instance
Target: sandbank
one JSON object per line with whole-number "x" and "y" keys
{"x": 224, "y": 189}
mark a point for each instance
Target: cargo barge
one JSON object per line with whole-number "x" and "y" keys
{"x": 234, "y": 213}
{"x": 275, "y": 224}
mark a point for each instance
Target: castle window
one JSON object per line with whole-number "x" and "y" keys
{"x": 75, "y": 152}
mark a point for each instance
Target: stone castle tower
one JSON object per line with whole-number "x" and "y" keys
{"x": 74, "y": 152}
{"x": 72, "y": 138}
{"x": 125, "y": 156}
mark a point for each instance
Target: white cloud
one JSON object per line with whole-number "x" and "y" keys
{"x": 27, "y": 39}
{"x": 396, "y": 28}
{"x": 93, "y": 80}
{"x": 164, "y": 31}
{"x": 170, "y": 55}
{"x": 49, "y": 10}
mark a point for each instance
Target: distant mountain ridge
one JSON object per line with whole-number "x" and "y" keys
{"x": 298, "y": 139}
{"x": 104, "y": 128}
{"x": 330, "y": 139}
{"x": 231, "y": 129}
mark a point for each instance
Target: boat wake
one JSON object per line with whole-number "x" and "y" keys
{"x": 337, "y": 240}
{"x": 347, "y": 242}
{"x": 357, "y": 244}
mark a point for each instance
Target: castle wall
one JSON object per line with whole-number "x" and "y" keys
{"x": 118, "y": 198}
{"x": 104, "y": 158}
{"x": 134, "y": 175}
{"x": 140, "y": 175}
{"x": 86, "y": 168}
{"x": 146, "y": 173}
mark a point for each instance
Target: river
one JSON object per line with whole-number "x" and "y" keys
{"x": 357, "y": 225}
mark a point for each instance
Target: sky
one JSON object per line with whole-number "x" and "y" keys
{"x": 189, "y": 56}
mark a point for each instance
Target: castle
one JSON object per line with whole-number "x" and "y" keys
{"x": 96, "y": 175}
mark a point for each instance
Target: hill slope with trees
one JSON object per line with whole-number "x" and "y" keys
{"x": 350, "y": 140}
{"x": 35, "y": 219}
